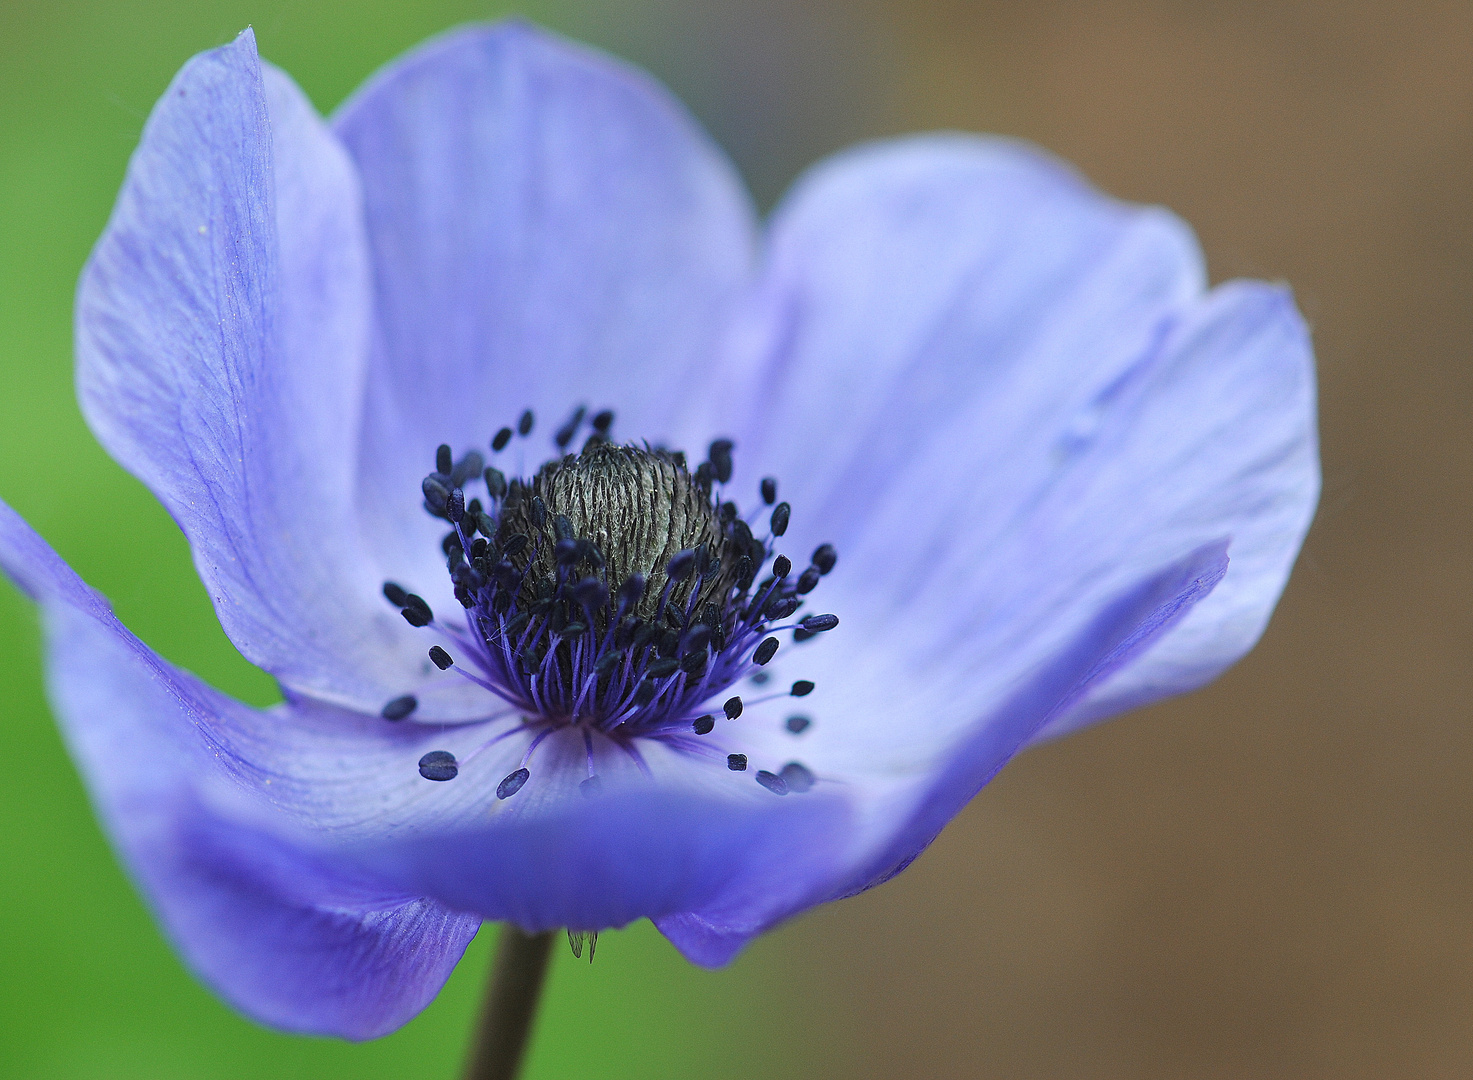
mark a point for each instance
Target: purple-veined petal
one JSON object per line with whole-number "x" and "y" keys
{"x": 222, "y": 331}
{"x": 274, "y": 928}
{"x": 549, "y": 228}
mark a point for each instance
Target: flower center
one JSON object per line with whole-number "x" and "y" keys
{"x": 616, "y": 592}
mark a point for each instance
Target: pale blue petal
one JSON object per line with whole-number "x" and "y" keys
{"x": 275, "y": 929}
{"x": 1008, "y": 401}
{"x": 222, "y": 332}
{"x": 549, "y": 228}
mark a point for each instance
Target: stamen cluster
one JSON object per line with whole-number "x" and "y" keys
{"x": 616, "y": 591}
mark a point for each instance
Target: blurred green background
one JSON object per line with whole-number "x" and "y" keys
{"x": 1271, "y": 878}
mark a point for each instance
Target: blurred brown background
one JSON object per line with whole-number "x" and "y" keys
{"x": 1274, "y": 877}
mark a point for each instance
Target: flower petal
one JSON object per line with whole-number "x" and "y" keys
{"x": 222, "y": 332}
{"x": 1005, "y": 398}
{"x": 549, "y": 228}
{"x": 1247, "y": 468}
{"x": 902, "y": 806}
{"x": 273, "y": 928}
{"x": 1007, "y": 401}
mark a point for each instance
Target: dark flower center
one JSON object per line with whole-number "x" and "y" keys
{"x": 616, "y": 592}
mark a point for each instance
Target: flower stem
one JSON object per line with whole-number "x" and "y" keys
{"x": 511, "y": 1004}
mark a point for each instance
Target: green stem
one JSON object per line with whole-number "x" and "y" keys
{"x": 510, "y": 1006}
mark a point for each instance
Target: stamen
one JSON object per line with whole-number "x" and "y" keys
{"x": 798, "y": 724}
{"x": 400, "y": 707}
{"x": 512, "y": 784}
{"x": 772, "y": 782}
{"x": 565, "y": 433}
{"x": 567, "y": 620}
{"x": 797, "y": 777}
{"x": 438, "y": 765}
{"x": 824, "y": 557}
{"x": 416, "y": 612}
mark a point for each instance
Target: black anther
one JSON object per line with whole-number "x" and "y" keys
{"x": 539, "y": 512}
{"x": 798, "y": 777}
{"x": 400, "y": 707}
{"x": 631, "y": 591}
{"x": 512, "y": 784}
{"x": 801, "y": 688}
{"x": 495, "y": 483}
{"x": 502, "y": 438}
{"x": 436, "y": 494}
{"x": 467, "y": 467}
{"x": 817, "y": 624}
{"x": 663, "y": 668}
{"x": 438, "y": 765}
{"x": 455, "y": 506}
{"x": 808, "y": 580}
{"x": 769, "y": 490}
{"x": 565, "y": 433}
{"x": 772, "y": 782}
{"x": 780, "y": 515}
{"x": 524, "y": 423}
{"x": 764, "y": 651}
{"x": 607, "y": 662}
{"x": 514, "y": 544}
{"x": 444, "y": 461}
{"x": 645, "y": 693}
{"x": 702, "y": 725}
{"x": 602, "y": 421}
{"x": 440, "y": 657}
{"x": 395, "y": 594}
{"x": 732, "y": 708}
{"x": 719, "y": 455}
{"x": 782, "y": 566}
{"x": 696, "y": 639}
{"x": 824, "y": 557}
{"x": 591, "y": 593}
{"x": 416, "y": 612}
{"x": 562, "y": 528}
{"x": 736, "y": 762}
{"x": 680, "y": 565}
{"x": 798, "y": 724}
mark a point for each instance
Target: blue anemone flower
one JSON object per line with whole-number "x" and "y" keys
{"x": 1035, "y": 470}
